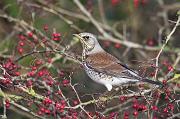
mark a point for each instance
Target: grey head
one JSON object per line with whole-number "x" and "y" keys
{"x": 90, "y": 43}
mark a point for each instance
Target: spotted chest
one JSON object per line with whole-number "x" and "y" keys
{"x": 97, "y": 76}
{"x": 105, "y": 79}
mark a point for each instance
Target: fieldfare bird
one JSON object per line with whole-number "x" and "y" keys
{"x": 104, "y": 68}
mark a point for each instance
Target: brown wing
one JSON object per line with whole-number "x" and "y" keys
{"x": 106, "y": 63}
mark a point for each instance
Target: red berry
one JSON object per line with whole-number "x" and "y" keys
{"x": 61, "y": 73}
{"x": 154, "y": 108}
{"x": 136, "y": 3}
{"x": 38, "y": 62}
{"x": 171, "y": 107}
{"x": 143, "y": 2}
{"x": 115, "y": 2}
{"x": 34, "y": 68}
{"x": 29, "y": 83}
{"x": 47, "y": 111}
{"x": 40, "y": 73}
{"x": 39, "y": 113}
{"x": 126, "y": 117}
{"x": 30, "y": 34}
{"x": 42, "y": 109}
{"x": 135, "y": 113}
{"x": 170, "y": 68}
{"x": 21, "y": 37}
{"x": 63, "y": 101}
{"x": 49, "y": 60}
{"x": 47, "y": 101}
{"x": 126, "y": 114}
{"x": 165, "y": 110}
{"x": 55, "y": 39}
{"x": 20, "y": 50}
{"x": 75, "y": 102}
{"x": 17, "y": 73}
{"x": 31, "y": 73}
{"x": 65, "y": 82}
{"x": 7, "y": 103}
{"x": 56, "y": 34}
{"x": 21, "y": 43}
{"x": 150, "y": 42}
{"x": 117, "y": 45}
{"x": 164, "y": 82}
{"x": 45, "y": 27}
{"x": 106, "y": 43}
{"x": 135, "y": 106}
{"x": 122, "y": 98}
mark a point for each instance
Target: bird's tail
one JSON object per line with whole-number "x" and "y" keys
{"x": 153, "y": 82}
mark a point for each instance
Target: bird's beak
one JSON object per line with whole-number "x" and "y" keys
{"x": 77, "y": 36}
{"x": 80, "y": 38}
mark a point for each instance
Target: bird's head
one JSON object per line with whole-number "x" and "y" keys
{"x": 89, "y": 41}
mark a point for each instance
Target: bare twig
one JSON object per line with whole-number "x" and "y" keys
{"x": 164, "y": 45}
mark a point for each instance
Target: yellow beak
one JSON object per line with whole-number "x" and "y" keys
{"x": 81, "y": 39}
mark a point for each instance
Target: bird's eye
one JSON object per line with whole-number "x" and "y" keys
{"x": 86, "y": 37}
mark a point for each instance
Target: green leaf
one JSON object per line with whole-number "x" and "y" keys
{"x": 26, "y": 61}
{"x": 12, "y": 7}
{"x": 175, "y": 79}
{"x": 32, "y": 92}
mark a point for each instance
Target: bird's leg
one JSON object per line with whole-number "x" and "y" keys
{"x": 103, "y": 99}
{"x": 116, "y": 91}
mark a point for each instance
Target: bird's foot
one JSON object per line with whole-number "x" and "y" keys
{"x": 102, "y": 102}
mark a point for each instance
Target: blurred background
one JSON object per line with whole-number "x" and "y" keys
{"x": 132, "y": 30}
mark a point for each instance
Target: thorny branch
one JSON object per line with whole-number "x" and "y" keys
{"x": 164, "y": 45}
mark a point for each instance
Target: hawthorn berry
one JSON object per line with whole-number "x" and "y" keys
{"x": 154, "y": 108}
{"x": 122, "y": 98}
{"x": 40, "y": 73}
{"x": 47, "y": 111}
{"x": 135, "y": 113}
{"x": 45, "y": 27}
{"x": 136, "y": 3}
{"x": 115, "y": 2}
{"x": 170, "y": 68}
{"x": 117, "y": 45}
{"x": 34, "y": 68}
{"x": 56, "y": 36}
{"x": 151, "y": 42}
{"x": 17, "y": 73}
{"x": 30, "y": 34}
{"x": 47, "y": 101}
{"x": 31, "y": 73}
{"x": 21, "y": 37}
{"x": 65, "y": 82}
{"x": 165, "y": 110}
{"x": 135, "y": 105}
{"x": 75, "y": 102}
{"x": 7, "y": 103}
{"x": 20, "y": 50}
{"x": 106, "y": 43}
{"x": 21, "y": 43}
{"x": 39, "y": 113}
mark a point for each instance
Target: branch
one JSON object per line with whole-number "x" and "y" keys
{"x": 164, "y": 45}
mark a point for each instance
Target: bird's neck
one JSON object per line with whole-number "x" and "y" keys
{"x": 95, "y": 50}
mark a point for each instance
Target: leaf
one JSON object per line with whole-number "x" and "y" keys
{"x": 26, "y": 61}
{"x": 13, "y": 7}
{"x": 32, "y": 92}
{"x": 175, "y": 79}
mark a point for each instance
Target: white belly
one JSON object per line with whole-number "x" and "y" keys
{"x": 104, "y": 79}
